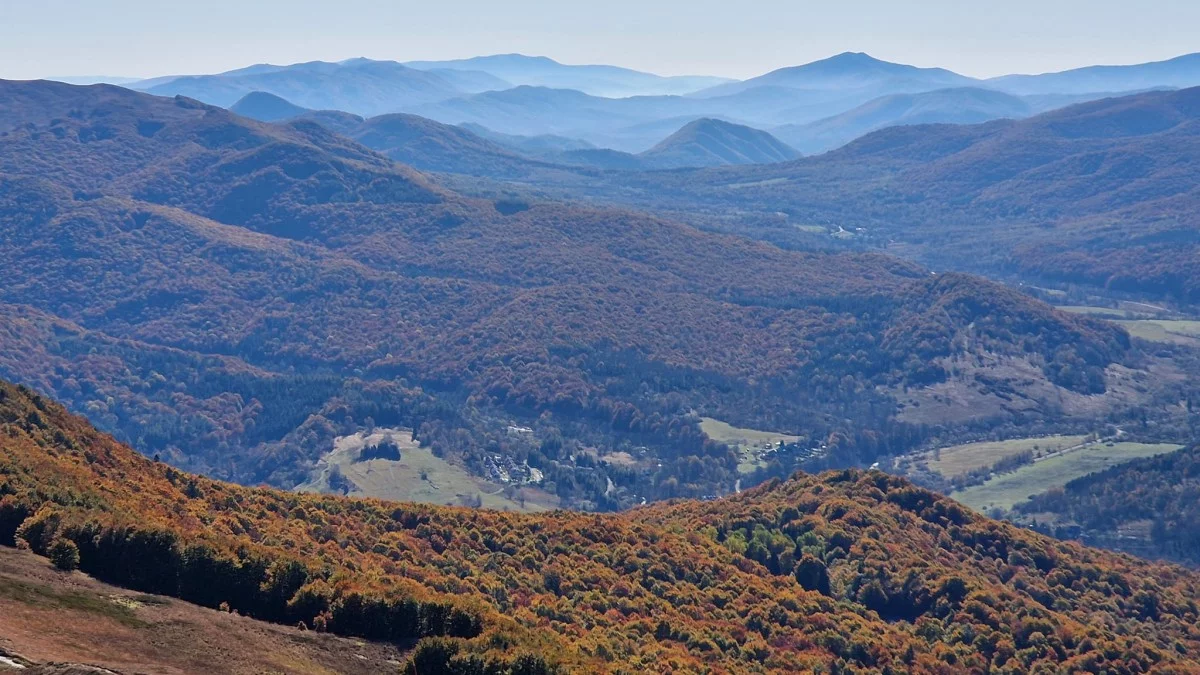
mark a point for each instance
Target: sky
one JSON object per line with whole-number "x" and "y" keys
{"x": 743, "y": 38}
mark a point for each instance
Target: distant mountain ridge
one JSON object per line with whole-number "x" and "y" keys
{"x": 596, "y": 80}
{"x": 359, "y": 86}
{"x": 629, "y": 111}
{"x": 849, "y": 71}
{"x": 432, "y": 146}
{"x": 1180, "y": 72}
{"x": 966, "y": 105}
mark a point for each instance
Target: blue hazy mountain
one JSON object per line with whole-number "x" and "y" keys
{"x": 787, "y": 96}
{"x": 266, "y": 107}
{"x": 849, "y": 71}
{"x": 963, "y": 105}
{"x": 95, "y": 79}
{"x": 432, "y": 146}
{"x": 532, "y": 111}
{"x": 710, "y": 142}
{"x": 812, "y": 107}
{"x": 531, "y": 145}
{"x": 597, "y": 80}
{"x": 1179, "y": 72}
{"x": 359, "y": 86}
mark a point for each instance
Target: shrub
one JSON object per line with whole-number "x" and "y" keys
{"x": 65, "y": 555}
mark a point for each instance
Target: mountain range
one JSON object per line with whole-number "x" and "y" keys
{"x": 358, "y": 86}
{"x": 432, "y": 146}
{"x": 596, "y": 80}
{"x": 1101, "y": 193}
{"x": 1180, "y": 72}
{"x": 631, "y": 111}
{"x": 849, "y": 72}
{"x": 963, "y": 105}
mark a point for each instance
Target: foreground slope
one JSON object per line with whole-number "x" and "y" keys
{"x": 848, "y": 570}
{"x": 57, "y": 623}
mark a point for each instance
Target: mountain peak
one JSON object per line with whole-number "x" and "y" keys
{"x": 266, "y": 107}
{"x": 847, "y": 62}
{"x": 854, "y": 57}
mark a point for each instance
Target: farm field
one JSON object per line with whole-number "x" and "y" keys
{"x": 750, "y": 442}
{"x": 419, "y": 476}
{"x": 1107, "y": 312}
{"x": 1006, "y": 490}
{"x": 961, "y": 459}
{"x": 1162, "y": 330}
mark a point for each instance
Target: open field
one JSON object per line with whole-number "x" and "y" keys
{"x": 1162, "y": 330}
{"x": 960, "y": 459}
{"x": 1005, "y": 490}
{"x": 52, "y": 616}
{"x": 726, "y": 433}
{"x": 1106, "y": 312}
{"x": 750, "y": 442}
{"x": 418, "y": 476}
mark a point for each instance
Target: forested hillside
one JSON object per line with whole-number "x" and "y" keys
{"x": 1102, "y": 193}
{"x": 848, "y": 571}
{"x": 232, "y": 295}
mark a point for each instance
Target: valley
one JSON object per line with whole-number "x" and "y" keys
{"x": 325, "y": 287}
{"x": 440, "y": 363}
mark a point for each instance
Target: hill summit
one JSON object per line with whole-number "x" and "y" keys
{"x": 713, "y": 142}
{"x": 266, "y": 107}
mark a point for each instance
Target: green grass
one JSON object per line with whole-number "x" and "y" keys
{"x": 757, "y": 183}
{"x": 961, "y": 459}
{"x": 747, "y": 441}
{"x": 1163, "y": 330}
{"x": 1006, "y": 490}
{"x": 1108, "y": 312}
{"x": 419, "y": 476}
{"x": 814, "y": 229}
{"x": 727, "y": 433}
{"x": 43, "y": 596}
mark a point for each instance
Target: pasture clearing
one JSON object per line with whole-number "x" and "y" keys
{"x": 1006, "y": 490}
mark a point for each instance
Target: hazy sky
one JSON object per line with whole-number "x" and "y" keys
{"x": 736, "y": 38}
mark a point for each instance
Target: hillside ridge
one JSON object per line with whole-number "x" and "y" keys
{"x": 848, "y": 568}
